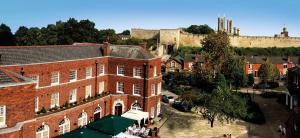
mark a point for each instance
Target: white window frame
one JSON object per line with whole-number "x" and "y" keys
{"x": 52, "y": 105}
{"x": 65, "y": 126}
{"x": 42, "y": 132}
{"x": 101, "y": 69}
{"x": 250, "y": 66}
{"x": 88, "y": 72}
{"x": 137, "y": 70}
{"x": 52, "y": 75}
{"x": 88, "y": 91}
{"x": 119, "y": 72}
{"x": 118, "y": 87}
{"x": 173, "y": 64}
{"x": 73, "y": 96}
{"x": 159, "y": 88}
{"x": 101, "y": 87}
{"x": 36, "y": 79}
{"x": 152, "y": 89}
{"x": 3, "y": 115}
{"x": 154, "y": 71}
{"x": 75, "y": 75}
{"x": 135, "y": 89}
{"x": 82, "y": 120}
{"x": 158, "y": 107}
{"x": 152, "y": 115}
{"x": 285, "y": 65}
{"x": 36, "y": 107}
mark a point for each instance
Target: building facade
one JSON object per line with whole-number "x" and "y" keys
{"x": 253, "y": 64}
{"x": 46, "y": 91}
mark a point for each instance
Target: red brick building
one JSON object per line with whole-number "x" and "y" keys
{"x": 253, "y": 64}
{"x": 46, "y": 91}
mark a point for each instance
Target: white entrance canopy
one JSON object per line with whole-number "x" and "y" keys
{"x": 136, "y": 115}
{"x": 123, "y": 135}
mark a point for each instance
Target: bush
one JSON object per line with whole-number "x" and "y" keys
{"x": 43, "y": 110}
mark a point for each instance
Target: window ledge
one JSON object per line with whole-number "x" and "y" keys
{"x": 3, "y": 126}
{"x": 121, "y": 74}
{"x": 120, "y": 92}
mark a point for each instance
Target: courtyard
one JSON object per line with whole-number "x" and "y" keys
{"x": 190, "y": 125}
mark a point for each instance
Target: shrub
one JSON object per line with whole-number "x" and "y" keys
{"x": 43, "y": 110}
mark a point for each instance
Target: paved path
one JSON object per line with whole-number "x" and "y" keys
{"x": 189, "y": 125}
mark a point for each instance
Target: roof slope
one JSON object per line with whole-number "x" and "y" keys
{"x": 40, "y": 54}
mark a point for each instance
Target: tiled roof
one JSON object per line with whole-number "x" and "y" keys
{"x": 128, "y": 51}
{"x": 40, "y": 54}
{"x": 275, "y": 60}
{"x": 10, "y": 78}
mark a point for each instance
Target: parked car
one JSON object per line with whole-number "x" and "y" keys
{"x": 181, "y": 106}
{"x": 168, "y": 99}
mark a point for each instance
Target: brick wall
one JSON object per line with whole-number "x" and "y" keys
{"x": 23, "y": 102}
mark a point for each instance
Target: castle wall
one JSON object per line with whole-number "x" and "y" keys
{"x": 170, "y": 36}
{"x": 191, "y": 40}
{"x": 144, "y": 34}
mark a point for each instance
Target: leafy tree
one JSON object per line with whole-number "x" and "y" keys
{"x": 216, "y": 49}
{"x": 268, "y": 71}
{"x": 6, "y": 36}
{"x": 108, "y": 35}
{"x": 250, "y": 79}
{"x": 224, "y": 105}
{"x": 31, "y": 36}
{"x": 199, "y": 29}
{"x": 233, "y": 69}
{"x": 126, "y": 32}
{"x": 220, "y": 81}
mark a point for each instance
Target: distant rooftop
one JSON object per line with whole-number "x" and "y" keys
{"x": 14, "y": 55}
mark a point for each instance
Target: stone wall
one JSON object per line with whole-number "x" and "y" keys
{"x": 144, "y": 34}
{"x": 178, "y": 38}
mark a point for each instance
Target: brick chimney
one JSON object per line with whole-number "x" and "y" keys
{"x": 289, "y": 59}
{"x": 106, "y": 49}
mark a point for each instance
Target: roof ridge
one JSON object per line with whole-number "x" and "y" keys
{"x": 47, "y": 46}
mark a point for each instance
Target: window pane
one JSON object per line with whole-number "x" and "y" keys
{"x": 73, "y": 75}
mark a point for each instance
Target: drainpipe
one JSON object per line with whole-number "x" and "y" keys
{"x": 104, "y": 106}
{"x": 145, "y": 88}
{"x": 96, "y": 62}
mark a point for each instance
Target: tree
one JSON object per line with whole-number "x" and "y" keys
{"x": 199, "y": 29}
{"x": 268, "y": 71}
{"x": 108, "y": 35}
{"x": 216, "y": 49}
{"x": 126, "y": 32}
{"x": 224, "y": 105}
{"x": 31, "y": 36}
{"x": 250, "y": 79}
{"x": 6, "y": 36}
{"x": 233, "y": 69}
{"x": 220, "y": 81}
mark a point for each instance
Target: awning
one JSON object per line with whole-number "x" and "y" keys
{"x": 111, "y": 125}
{"x": 84, "y": 133}
{"x": 123, "y": 135}
{"x": 136, "y": 115}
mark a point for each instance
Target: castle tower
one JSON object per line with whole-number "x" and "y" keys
{"x": 230, "y": 27}
{"x": 221, "y": 23}
{"x": 238, "y": 31}
{"x": 234, "y": 31}
{"x": 284, "y": 32}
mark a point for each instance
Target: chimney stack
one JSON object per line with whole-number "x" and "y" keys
{"x": 106, "y": 49}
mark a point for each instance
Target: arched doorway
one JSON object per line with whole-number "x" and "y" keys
{"x": 64, "y": 126}
{"x": 82, "y": 119}
{"x": 136, "y": 106}
{"x": 118, "y": 109}
{"x": 43, "y": 131}
{"x": 97, "y": 113}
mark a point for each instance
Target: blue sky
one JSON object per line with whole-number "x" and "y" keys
{"x": 253, "y": 17}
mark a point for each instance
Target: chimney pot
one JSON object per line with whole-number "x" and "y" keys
{"x": 106, "y": 49}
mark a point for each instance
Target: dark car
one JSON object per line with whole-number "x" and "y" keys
{"x": 181, "y": 106}
{"x": 166, "y": 98}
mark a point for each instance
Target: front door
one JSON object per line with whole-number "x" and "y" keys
{"x": 118, "y": 110}
{"x": 97, "y": 116}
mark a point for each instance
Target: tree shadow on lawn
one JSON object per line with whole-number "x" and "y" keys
{"x": 178, "y": 119}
